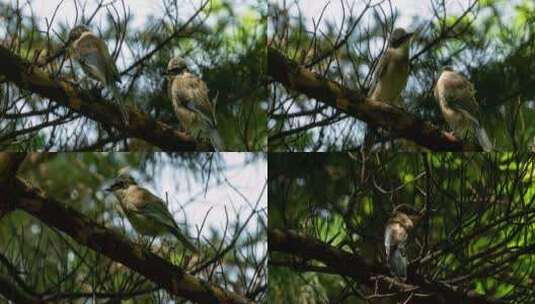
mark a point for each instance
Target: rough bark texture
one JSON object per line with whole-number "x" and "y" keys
{"x": 364, "y": 272}
{"x": 141, "y": 125}
{"x": 13, "y": 293}
{"x": 9, "y": 164}
{"x": 111, "y": 244}
{"x": 377, "y": 114}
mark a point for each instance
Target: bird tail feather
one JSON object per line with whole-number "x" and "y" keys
{"x": 399, "y": 262}
{"x": 186, "y": 242}
{"x": 483, "y": 139}
{"x": 481, "y": 134}
{"x": 215, "y": 139}
{"x": 119, "y": 100}
{"x": 210, "y": 125}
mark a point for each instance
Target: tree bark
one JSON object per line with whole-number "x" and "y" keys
{"x": 140, "y": 125}
{"x": 366, "y": 273}
{"x": 111, "y": 244}
{"x": 354, "y": 103}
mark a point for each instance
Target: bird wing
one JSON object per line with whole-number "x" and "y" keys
{"x": 151, "y": 206}
{"x": 463, "y": 99}
{"x": 154, "y": 208}
{"x": 91, "y": 65}
{"x": 110, "y": 63}
{"x": 192, "y": 93}
{"x": 381, "y": 69}
{"x": 93, "y": 51}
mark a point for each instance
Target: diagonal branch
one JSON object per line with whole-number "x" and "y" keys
{"x": 377, "y": 114}
{"x": 109, "y": 243}
{"x": 141, "y": 125}
{"x": 361, "y": 270}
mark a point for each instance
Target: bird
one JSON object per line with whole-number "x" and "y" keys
{"x": 391, "y": 74}
{"x": 399, "y": 261}
{"x": 93, "y": 55}
{"x": 456, "y": 97}
{"x": 193, "y": 108}
{"x": 147, "y": 213}
{"x": 397, "y": 231}
{"x": 393, "y": 69}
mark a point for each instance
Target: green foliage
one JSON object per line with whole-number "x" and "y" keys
{"x": 491, "y": 43}
{"x": 481, "y": 215}
{"x": 51, "y": 262}
{"x": 224, "y": 45}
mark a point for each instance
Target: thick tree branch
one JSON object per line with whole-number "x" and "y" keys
{"x": 141, "y": 125}
{"x": 12, "y": 292}
{"x": 354, "y": 103}
{"x": 363, "y": 271}
{"x": 109, "y": 243}
{"x": 9, "y": 164}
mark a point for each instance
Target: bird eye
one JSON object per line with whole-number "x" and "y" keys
{"x": 176, "y": 70}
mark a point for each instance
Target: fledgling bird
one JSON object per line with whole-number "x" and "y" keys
{"x": 189, "y": 95}
{"x": 397, "y": 231}
{"x": 393, "y": 69}
{"x": 456, "y": 97}
{"x": 93, "y": 55}
{"x": 146, "y": 212}
{"x": 390, "y": 76}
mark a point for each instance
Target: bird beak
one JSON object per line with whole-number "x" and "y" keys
{"x": 409, "y": 36}
{"x": 112, "y": 187}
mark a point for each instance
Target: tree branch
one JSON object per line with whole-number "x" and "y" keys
{"x": 141, "y": 125}
{"x": 364, "y": 272}
{"x": 109, "y": 243}
{"x": 9, "y": 164}
{"x": 354, "y": 103}
{"x": 12, "y": 292}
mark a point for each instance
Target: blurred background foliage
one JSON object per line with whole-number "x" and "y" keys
{"x": 51, "y": 264}
{"x": 222, "y": 41}
{"x": 479, "y": 223}
{"x": 491, "y": 42}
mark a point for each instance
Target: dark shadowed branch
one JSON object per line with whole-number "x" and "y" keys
{"x": 109, "y": 243}
{"x": 360, "y": 269}
{"x": 141, "y": 125}
{"x": 354, "y": 103}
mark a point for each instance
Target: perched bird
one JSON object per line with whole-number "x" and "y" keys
{"x": 146, "y": 212}
{"x": 95, "y": 59}
{"x": 397, "y": 231}
{"x": 456, "y": 97}
{"x": 393, "y": 69}
{"x": 189, "y": 95}
{"x": 391, "y": 75}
